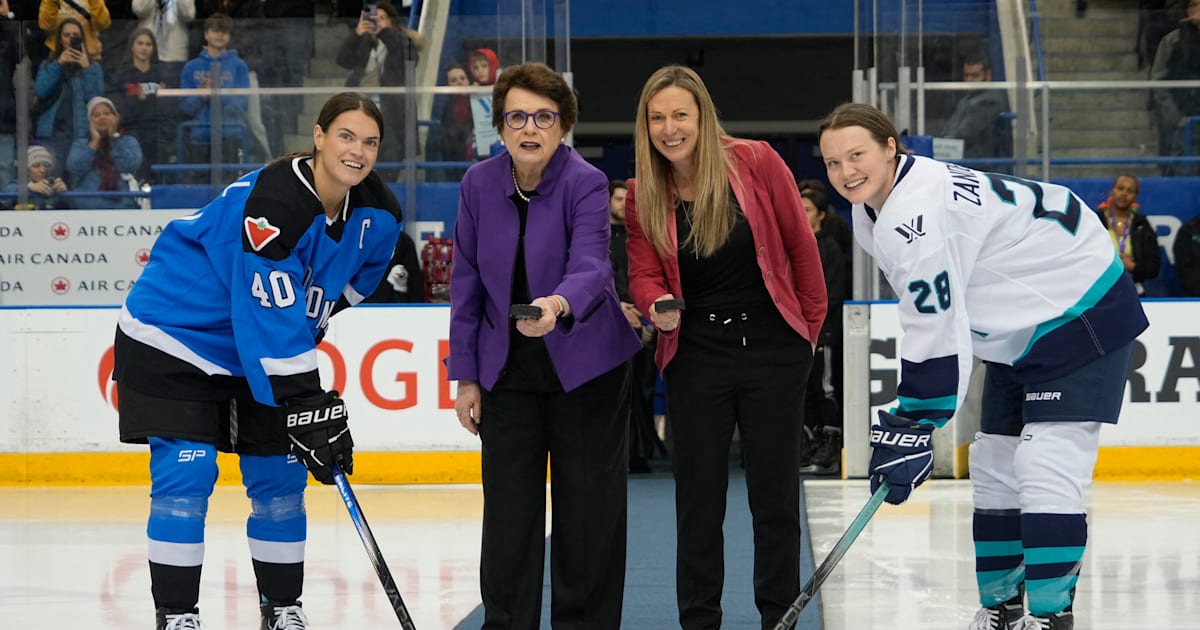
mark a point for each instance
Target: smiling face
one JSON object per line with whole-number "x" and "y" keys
{"x": 859, "y": 167}
{"x": 674, "y": 118}
{"x": 531, "y": 147}
{"x": 348, "y": 148}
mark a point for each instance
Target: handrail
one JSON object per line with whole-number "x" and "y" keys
{"x": 1035, "y": 33}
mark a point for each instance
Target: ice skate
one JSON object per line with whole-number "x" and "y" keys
{"x": 283, "y": 617}
{"x": 1007, "y": 615}
{"x": 178, "y": 620}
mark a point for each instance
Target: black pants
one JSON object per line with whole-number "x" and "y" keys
{"x": 750, "y": 372}
{"x": 584, "y": 435}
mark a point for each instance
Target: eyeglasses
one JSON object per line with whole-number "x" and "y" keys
{"x": 542, "y": 119}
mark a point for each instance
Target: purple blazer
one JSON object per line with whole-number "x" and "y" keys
{"x": 566, "y": 252}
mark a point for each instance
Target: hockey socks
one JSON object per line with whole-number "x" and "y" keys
{"x": 1054, "y": 546}
{"x": 999, "y": 555}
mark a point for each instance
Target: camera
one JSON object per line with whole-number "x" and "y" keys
{"x": 76, "y": 42}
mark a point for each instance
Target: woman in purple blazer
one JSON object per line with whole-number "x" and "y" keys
{"x": 533, "y": 230}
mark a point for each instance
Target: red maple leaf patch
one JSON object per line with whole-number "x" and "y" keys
{"x": 260, "y": 232}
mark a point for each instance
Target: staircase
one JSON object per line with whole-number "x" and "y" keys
{"x": 1101, "y": 45}
{"x": 323, "y": 71}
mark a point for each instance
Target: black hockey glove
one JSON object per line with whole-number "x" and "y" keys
{"x": 317, "y": 426}
{"x": 901, "y": 453}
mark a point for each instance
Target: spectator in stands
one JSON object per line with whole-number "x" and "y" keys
{"x": 377, "y": 54}
{"x": 1178, "y": 59}
{"x": 134, "y": 92}
{"x": 403, "y": 282}
{"x": 1131, "y": 231}
{"x": 65, "y": 82}
{"x": 821, "y": 451}
{"x": 452, "y": 139}
{"x": 43, "y": 187}
{"x": 1156, "y": 18}
{"x": 976, "y": 118}
{"x": 198, "y": 73}
{"x": 106, "y": 161}
{"x": 483, "y": 64}
{"x": 1187, "y": 257}
{"x": 717, "y": 221}
{"x": 168, "y": 21}
{"x": 639, "y": 405}
{"x": 532, "y": 230}
{"x": 92, "y": 16}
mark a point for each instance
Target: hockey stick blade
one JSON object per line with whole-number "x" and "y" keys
{"x": 843, "y": 545}
{"x": 368, "y": 540}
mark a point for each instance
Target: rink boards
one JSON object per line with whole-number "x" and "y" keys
{"x": 58, "y": 406}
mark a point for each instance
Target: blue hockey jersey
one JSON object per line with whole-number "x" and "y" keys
{"x": 240, "y": 292}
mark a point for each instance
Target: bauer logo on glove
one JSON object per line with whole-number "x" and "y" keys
{"x": 336, "y": 411}
{"x": 901, "y": 454}
{"x": 904, "y": 440}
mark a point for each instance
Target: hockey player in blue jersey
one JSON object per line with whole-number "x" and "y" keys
{"x": 216, "y": 351}
{"x": 1022, "y": 275}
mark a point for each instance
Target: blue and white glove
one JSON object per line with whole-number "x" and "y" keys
{"x": 902, "y": 454}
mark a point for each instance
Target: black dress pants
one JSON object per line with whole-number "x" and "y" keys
{"x": 584, "y": 435}
{"x": 748, "y": 370}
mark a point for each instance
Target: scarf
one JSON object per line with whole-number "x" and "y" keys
{"x": 104, "y": 164}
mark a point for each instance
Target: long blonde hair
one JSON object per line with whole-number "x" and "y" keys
{"x": 713, "y": 216}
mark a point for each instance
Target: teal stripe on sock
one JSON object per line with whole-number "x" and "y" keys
{"x": 994, "y": 548}
{"x": 1050, "y": 596}
{"x": 1053, "y": 555}
{"x": 996, "y": 587}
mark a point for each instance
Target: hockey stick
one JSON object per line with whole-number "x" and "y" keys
{"x": 843, "y": 544}
{"x": 368, "y": 540}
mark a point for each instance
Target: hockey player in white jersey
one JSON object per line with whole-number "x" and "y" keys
{"x": 216, "y": 351}
{"x": 1023, "y": 275}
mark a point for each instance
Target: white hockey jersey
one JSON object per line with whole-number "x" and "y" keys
{"x": 1012, "y": 271}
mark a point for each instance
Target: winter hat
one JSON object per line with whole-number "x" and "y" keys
{"x": 39, "y": 155}
{"x": 100, "y": 100}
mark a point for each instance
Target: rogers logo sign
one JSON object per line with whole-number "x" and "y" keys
{"x": 368, "y": 378}
{"x": 108, "y": 388}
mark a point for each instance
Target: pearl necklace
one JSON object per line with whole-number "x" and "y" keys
{"x": 517, "y": 185}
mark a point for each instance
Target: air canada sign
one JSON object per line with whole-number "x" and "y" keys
{"x": 72, "y": 258}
